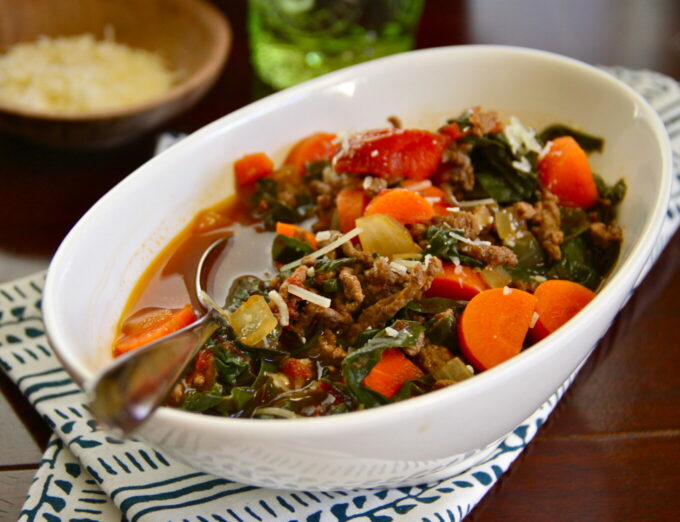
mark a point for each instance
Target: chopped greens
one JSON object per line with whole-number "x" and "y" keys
{"x": 286, "y": 249}
{"x": 443, "y": 243}
{"x": 586, "y": 141}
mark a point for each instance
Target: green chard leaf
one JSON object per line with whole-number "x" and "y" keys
{"x": 286, "y": 249}
{"x": 358, "y": 364}
{"x": 442, "y": 331}
{"x": 241, "y": 289}
{"x": 614, "y": 193}
{"x": 586, "y": 141}
{"x": 442, "y": 242}
{"x": 328, "y": 265}
{"x": 195, "y": 400}
{"x": 577, "y": 264}
{"x": 413, "y": 388}
{"x": 435, "y": 305}
{"x": 492, "y": 159}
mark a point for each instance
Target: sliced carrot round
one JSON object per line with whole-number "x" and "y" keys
{"x": 557, "y": 302}
{"x": 252, "y": 167}
{"x": 566, "y": 172}
{"x": 351, "y": 204}
{"x": 391, "y": 372}
{"x": 457, "y": 282}
{"x": 315, "y": 147}
{"x": 150, "y": 326}
{"x": 435, "y": 195}
{"x": 404, "y": 205}
{"x": 493, "y": 326}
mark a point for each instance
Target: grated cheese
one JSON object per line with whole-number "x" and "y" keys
{"x": 80, "y": 74}
{"x": 534, "y": 319}
{"x": 523, "y": 164}
{"x": 544, "y": 152}
{"x": 281, "y": 306}
{"x": 398, "y": 267}
{"x": 433, "y": 200}
{"x": 323, "y": 251}
{"x": 317, "y": 299}
{"x": 421, "y": 185}
{"x": 519, "y": 136}
{"x": 507, "y": 290}
{"x": 453, "y": 209}
{"x": 391, "y": 332}
{"x": 476, "y": 202}
{"x": 323, "y": 235}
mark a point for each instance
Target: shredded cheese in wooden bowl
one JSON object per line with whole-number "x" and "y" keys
{"x": 80, "y": 74}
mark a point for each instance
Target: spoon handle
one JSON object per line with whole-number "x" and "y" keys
{"x": 127, "y": 391}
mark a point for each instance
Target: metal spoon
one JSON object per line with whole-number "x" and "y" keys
{"x": 128, "y": 390}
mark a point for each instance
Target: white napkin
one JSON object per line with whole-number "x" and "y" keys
{"x": 88, "y": 475}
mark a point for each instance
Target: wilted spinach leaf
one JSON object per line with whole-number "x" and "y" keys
{"x": 230, "y": 365}
{"x": 492, "y": 160}
{"x": 442, "y": 331}
{"x": 241, "y": 289}
{"x": 314, "y": 170}
{"x": 614, "y": 193}
{"x": 286, "y": 249}
{"x": 442, "y": 242}
{"x": 358, "y": 364}
{"x": 328, "y": 265}
{"x": 576, "y": 264}
{"x": 331, "y": 286}
{"x": 586, "y": 141}
{"x": 435, "y": 305}
{"x": 413, "y": 388}
{"x": 574, "y": 222}
{"x": 195, "y": 400}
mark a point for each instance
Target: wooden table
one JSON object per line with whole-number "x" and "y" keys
{"x": 610, "y": 450}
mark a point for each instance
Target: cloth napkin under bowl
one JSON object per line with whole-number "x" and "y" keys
{"x": 87, "y": 475}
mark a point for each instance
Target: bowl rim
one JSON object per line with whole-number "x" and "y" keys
{"x": 210, "y": 66}
{"x": 625, "y": 277}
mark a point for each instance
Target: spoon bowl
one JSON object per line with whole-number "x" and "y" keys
{"x": 129, "y": 389}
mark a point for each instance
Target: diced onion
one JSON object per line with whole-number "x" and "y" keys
{"x": 253, "y": 320}
{"x": 384, "y": 235}
{"x": 317, "y": 299}
{"x": 328, "y": 248}
{"x": 496, "y": 277}
{"x": 453, "y": 370}
{"x": 275, "y": 412}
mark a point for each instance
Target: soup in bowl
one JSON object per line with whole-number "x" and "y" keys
{"x": 454, "y": 424}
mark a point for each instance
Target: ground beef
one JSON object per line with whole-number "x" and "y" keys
{"x": 604, "y": 235}
{"x": 462, "y": 220}
{"x": 432, "y": 356}
{"x": 524, "y": 210}
{"x": 489, "y": 254}
{"x": 297, "y": 278}
{"x": 457, "y": 173}
{"x": 485, "y": 122}
{"x": 328, "y": 349}
{"x": 351, "y": 286}
{"x": 417, "y": 281}
{"x": 361, "y": 256}
{"x": 547, "y": 224}
{"x": 381, "y": 280}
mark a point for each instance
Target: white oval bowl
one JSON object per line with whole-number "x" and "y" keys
{"x": 413, "y": 441}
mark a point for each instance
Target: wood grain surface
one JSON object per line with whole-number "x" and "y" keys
{"x": 611, "y": 448}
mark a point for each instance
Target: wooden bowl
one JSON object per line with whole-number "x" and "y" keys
{"x": 191, "y": 35}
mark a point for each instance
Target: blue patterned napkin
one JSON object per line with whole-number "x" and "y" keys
{"x": 86, "y": 474}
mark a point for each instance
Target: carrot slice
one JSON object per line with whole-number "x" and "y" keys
{"x": 296, "y": 232}
{"x": 391, "y": 372}
{"x": 151, "y": 326}
{"x": 404, "y": 205}
{"x": 435, "y": 195}
{"x": 252, "y": 167}
{"x": 557, "y": 302}
{"x": 315, "y": 147}
{"x": 493, "y": 326}
{"x": 566, "y": 172}
{"x": 351, "y": 204}
{"x": 457, "y": 282}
